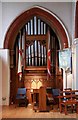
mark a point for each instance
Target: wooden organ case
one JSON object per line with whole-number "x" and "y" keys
{"x": 34, "y": 40}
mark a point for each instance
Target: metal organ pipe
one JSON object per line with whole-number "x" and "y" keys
{"x": 31, "y": 21}
{"x": 29, "y": 56}
{"x": 35, "y": 25}
{"x": 39, "y": 54}
{"x": 36, "y": 51}
{"x": 44, "y": 55}
{"x": 38, "y": 26}
{"x": 26, "y": 56}
{"x": 28, "y": 28}
{"x": 32, "y": 54}
{"x": 42, "y": 28}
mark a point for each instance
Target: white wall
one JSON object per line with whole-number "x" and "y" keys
{"x": 69, "y": 80}
{"x": 36, "y": 0}
{"x": 0, "y": 87}
{"x": 0, "y": 22}
{"x": 76, "y": 66}
{"x": 11, "y": 10}
{"x": 4, "y": 54}
{"x": 73, "y": 20}
{"x": 0, "y": 62}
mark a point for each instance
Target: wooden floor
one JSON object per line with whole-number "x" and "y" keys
{"x": 23, "y": 112}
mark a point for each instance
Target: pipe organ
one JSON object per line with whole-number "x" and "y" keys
{"x": 36, "y": 55}
{"x": 34, "y": 47}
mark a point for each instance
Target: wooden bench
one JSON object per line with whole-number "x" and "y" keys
{"x": 68, "y": 100}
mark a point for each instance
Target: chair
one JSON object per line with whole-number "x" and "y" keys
{"x": 70, "y": 102}
{"x": 52, "y": 96}
{"x": 21, "y": 96}
{"x": 68, "y": 91}
{"x": 55, "y": 94}
{"x": 49, "y": 98}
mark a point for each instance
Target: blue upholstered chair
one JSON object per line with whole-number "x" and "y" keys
{"x": 55, "y": 94}
{"x": 21, "y": 96}
{"x": 52, "y": 96}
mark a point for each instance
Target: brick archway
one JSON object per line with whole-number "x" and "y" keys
{"x": 45, "y": 15}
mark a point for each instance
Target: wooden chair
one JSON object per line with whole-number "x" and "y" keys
{"x": 68, "y": 101}
{"x": 68, "y": 91}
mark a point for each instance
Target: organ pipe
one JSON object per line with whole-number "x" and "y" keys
{"x": 42, "y": 54}
{"x": 42, "y": 28}
{"x": 26, "y": 57}
{"x": 39, "y": 52}
{"x": 35, "y": 52}
{"x": 35, "y": 25}
{"x": 28, "y": 28}
{"x": 32, "y": 54}
{"x": 29, "y": 56}
{"x": 38, "y": 26}
{"x": 31, "y": 26}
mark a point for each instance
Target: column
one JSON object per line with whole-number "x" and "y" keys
{"x": 75, "y": 65}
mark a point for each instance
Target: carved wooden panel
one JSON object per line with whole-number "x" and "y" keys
{"x": 42, "y": 102}
{"x": 59, "y": 82}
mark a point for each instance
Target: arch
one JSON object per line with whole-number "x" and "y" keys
{"x": 49, "y": 17}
